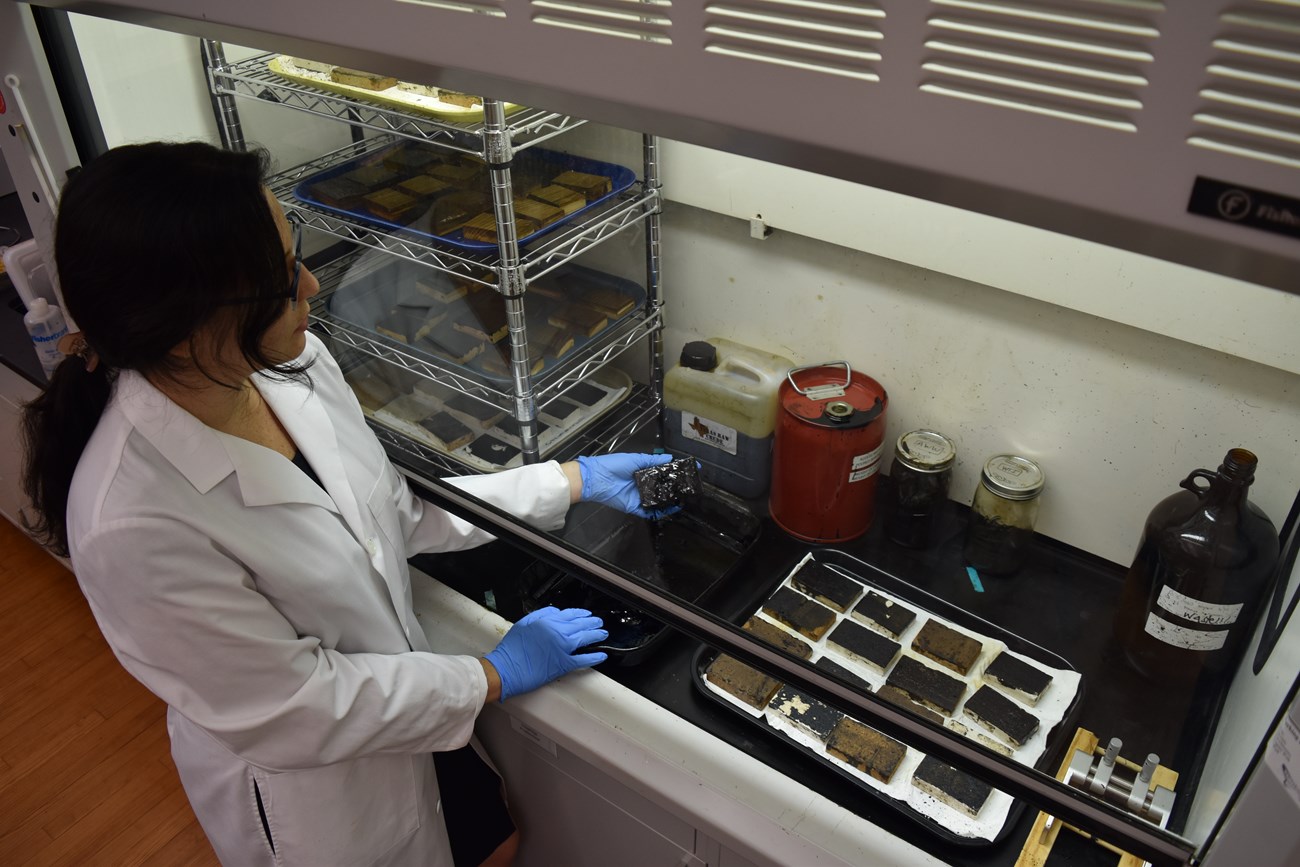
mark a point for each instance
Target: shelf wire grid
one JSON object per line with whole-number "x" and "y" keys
{"x": 253, "y": 79}
{"x": 347, "y": 337}
{"x": 606, "y": 434}
{"x": 619, "y": 214}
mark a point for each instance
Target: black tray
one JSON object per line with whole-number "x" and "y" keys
{"x": 688, "y": 554}
{"x": 924, "y": 603}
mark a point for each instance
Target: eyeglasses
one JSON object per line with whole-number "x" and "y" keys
{"x": 296, "y": 228}
{"x": 292, "y": 294}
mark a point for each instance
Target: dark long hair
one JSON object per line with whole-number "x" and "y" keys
{"x": 152, "y": 242}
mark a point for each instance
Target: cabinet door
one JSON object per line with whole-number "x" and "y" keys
{"x": 14, "y": 391}
{"x": 571, "y": 813}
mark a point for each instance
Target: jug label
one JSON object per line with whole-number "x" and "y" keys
{"x": 865, "y": 466}
{"x": 709, "y": 432}
{"x": 1196, "y": 611}
{"x": 1180, "y": 636}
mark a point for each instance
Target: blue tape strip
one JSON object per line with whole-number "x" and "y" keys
{"x": 975, "y": 579}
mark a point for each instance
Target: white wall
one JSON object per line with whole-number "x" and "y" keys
{"x": 1117, "y": 416}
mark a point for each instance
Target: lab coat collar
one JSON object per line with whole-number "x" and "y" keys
{"x": 303, "y": 415}
{"x": 205, "y": 456}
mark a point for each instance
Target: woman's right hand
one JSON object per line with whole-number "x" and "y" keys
{"x": 540, "y": 647}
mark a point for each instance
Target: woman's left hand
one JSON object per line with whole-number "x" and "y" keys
{"x": 608, "y": 479}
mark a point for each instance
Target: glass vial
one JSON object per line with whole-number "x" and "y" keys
{"x": 921, "y": 474}
{"x": 1003, "y": 513}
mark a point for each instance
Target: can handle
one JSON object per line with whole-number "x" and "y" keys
{"x": 817, "y": 392}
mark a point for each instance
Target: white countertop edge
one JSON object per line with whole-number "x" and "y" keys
{"x": 713, "y": 785}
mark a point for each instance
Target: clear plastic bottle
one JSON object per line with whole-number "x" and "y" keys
{"x": 44, "y": 322}
{"x": 720, "y": 404}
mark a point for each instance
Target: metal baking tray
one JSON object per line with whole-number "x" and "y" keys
{"x": 926, "y": 605}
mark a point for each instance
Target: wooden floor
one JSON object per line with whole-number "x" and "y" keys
{"x": 85, "y": 773}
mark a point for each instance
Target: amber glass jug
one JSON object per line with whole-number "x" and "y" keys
{"x": 1194, "y": 593}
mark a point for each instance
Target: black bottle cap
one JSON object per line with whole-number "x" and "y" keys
{"x": 699, "y": 355}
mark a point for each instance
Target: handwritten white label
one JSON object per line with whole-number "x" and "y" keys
{"x": 709, "y": 432}
{"x": 1180, "y": 636}
{"x": 1196, "y": 611}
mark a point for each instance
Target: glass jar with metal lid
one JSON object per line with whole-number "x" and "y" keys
{"x": 1003, "y": 513}
{"x": 921, "y": 473}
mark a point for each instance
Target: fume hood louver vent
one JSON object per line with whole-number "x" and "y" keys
{"x": 835, "y": 37}
{"x": 1250, "y": 105}
{"x": 1082, "y": 61}
{"x": 491, "y": 8}
{"x": 642, "y": 20}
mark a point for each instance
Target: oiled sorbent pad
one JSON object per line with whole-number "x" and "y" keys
{"x": 800, "y": 613}
{"x": 951, "y": 786}
{"x": 876, "y": 610}
{"x": 947, "y": 646}
{"x": 1001, "y": 715}
{"x": 1018, "y": 678}
{"x": 826, "y": 585}
{"x": 778, "y": 638}
{"x": 865, "y": 749}
{"x": 864, "y": 645}
{"x": 929, "y": 686}
{"x": 747, "y": 684}
{"x": 813, "y": 717}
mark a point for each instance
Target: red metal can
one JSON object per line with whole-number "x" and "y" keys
{"x": 826, "y": 455}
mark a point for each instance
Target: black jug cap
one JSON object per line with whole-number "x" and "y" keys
{"x": 699, "y": 355}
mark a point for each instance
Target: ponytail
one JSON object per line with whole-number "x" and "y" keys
{"x": 55, "y": 429}
{"x": 152, "y": 242}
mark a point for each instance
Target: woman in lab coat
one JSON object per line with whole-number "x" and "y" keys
{"x": 242, "y": 537}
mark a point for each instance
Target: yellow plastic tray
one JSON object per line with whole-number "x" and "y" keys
{"x": 393, "y": 97}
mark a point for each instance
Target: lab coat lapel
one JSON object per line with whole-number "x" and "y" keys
{"x": 303, "y": 415}
{"x": 206, "y": 456}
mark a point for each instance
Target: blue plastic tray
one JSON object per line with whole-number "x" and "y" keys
{"x": 621, "y": 178}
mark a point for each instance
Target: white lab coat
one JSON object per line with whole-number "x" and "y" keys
{"x": 276, "y": 621}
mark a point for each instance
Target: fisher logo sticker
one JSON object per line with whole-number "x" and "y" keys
{"x": 1245, "y": 206}
{"x": 709, "y": 432}
{"x": 2, "y": 102}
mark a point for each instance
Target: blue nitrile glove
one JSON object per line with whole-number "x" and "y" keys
{"x": 539, "y": 648}
{"x": 608, "y": 479}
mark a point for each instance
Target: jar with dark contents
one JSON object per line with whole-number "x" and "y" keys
{"x": 921, "y": 474}
{"x": 1003, "y": 513}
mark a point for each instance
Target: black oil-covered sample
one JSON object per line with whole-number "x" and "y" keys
{"x": 806, "y": 713}
{"x": 865, "y": 645}
{"x": 1001, "y": 715}
{"x": 827, "y": 585}
{"x": 1018, "y": 678}
{"x": 888, "y": 615}
{"x": 955, "y": 788}
{"x": 927, "y": 685}
{"x": 672, "y": 484}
